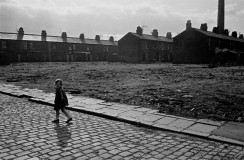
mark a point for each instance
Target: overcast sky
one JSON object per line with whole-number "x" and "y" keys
{"x": 115, "y": 17}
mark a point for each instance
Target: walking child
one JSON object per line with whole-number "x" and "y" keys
{"x": 60, "y": 101}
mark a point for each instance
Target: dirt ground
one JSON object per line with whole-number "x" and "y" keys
{"x": 193, "y": 91}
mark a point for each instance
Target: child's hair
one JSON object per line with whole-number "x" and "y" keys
{"x": 59, "y": 80}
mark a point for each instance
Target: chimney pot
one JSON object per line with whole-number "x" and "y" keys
{"x": 215, "y": 30}
{"x": 97, "y": 38}
{"x": 169, "y": 35}
{"x": 226, "y": 32}
{"x": 241, "y": 36}
{"x": 188, "y": 24}
{"x": 44, "y": 33}
{"x": 155, "y": 33}
{"x": 64, "y": 35}
{"x": 82, "y": 36}
{"x": 111, "y": 39}
{"x": 204, "y": 27}
{"x": 234, "y": 34}
{"x": 21, "y": 31}
{"x": 139, "y": 30}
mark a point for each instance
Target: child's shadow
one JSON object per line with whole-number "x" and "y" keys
{"x": 63, "y": 135}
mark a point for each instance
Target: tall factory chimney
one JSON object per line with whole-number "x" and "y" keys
{"x": 221, "y": 17}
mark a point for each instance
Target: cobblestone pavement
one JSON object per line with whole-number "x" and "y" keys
{"x": 26, "y": 132}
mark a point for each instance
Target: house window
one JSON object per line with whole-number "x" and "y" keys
{"x": 74, "y": 47}
{"x": 70, "y": 48}
{"x": 25, "y": 45}
{"x": 54, "y": 46}
{"x": 87, "y": 48}
{"x": 31, "y": 45}
{"x": 105, "y": 48}
{"x": 4, "y": 44}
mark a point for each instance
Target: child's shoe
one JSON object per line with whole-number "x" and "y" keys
{"x": 70, "y": 119}
{"x": 56, "y": 121}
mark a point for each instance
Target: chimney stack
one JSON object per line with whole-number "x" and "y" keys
{"x": 111, "y": 39}
{"x": 188, "y": 25}
{"x": 169, "y": 35}
{"x": 44, "y": 35}
{"x": 64, "y": 35}
{"x": 97, "y": 38}
{"x": 155, "y": 33}
{"x": 82, "y": 36}
{"x": 241, "y": 36}
{"x": 215, "y": 30}
{"x": 20, "y": 33}
{"x": 221, "y": 16}
{"x": 139, "y": 30}
{"x": 226, "y": 32}
{"x": 234, "y": 34}
{"x": 204, "y": 27}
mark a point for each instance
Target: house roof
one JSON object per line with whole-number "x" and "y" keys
{"x": 153, "y": 38}
{"x": 220, "y": 36}
{"x": 34, "y": 37}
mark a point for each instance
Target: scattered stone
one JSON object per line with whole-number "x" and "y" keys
{"x": 187, "y": 96}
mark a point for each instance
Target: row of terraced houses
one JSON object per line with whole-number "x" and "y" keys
{"x": 190, "y": 46}
{"x": 193, "y": 45}
{"x": 21, "y": 47}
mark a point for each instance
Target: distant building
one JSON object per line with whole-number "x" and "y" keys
{"x": 201, "y": 46}
{"x": 138, "y": 47}
{"x": 20, "y": 47}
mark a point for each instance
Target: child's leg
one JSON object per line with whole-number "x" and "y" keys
{"x": 66, "y": 113}
{"x": 57, "y": 114}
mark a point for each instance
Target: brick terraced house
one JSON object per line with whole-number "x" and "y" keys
{"x": 20, "y": 47}
{"x": 143, "y": 48}
{"x": 200, "y": 46}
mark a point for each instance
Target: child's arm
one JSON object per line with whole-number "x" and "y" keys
{"x": 65, "y": 98}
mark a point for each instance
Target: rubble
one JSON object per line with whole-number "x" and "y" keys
{"x": 192, "y": 91}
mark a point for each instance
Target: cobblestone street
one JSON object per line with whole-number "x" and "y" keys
{"x": 26, "y": 132}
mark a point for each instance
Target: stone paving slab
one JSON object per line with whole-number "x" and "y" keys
{"x": 167, "y": 127}
{"x": 117, "y": 108}
{"x": 197, "y": 133}
{"x": 143, "y": 109}
{"x": 79, "y": 107}
{"x": 181, "y": 123}
{"x": 231, "y": 130}
{"x": 136, "y": 114}
{"x": 165, "y": 120}
{"x": 92, "y": 101}
{"x": 148, "y": 118}
{"x": 132, "y": 114}
{"x": 200, "y": 129}
{"x": 95, "y": 106}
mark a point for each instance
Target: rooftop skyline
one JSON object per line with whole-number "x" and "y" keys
{"x": 114, "y": 17}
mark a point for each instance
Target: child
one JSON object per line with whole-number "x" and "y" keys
{"x": 61, "y": 101}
